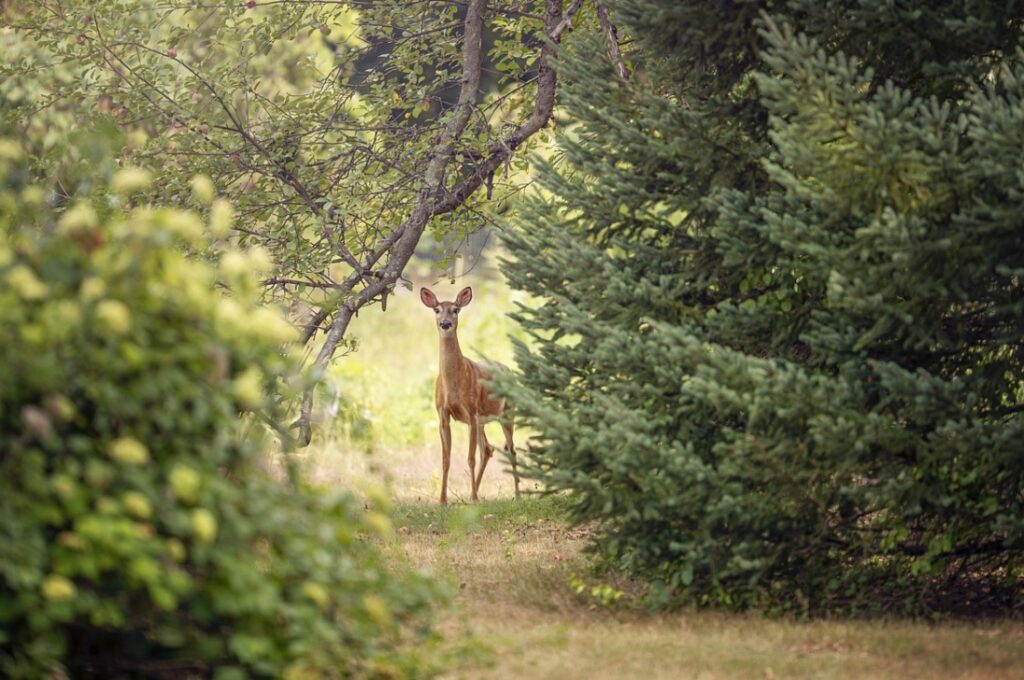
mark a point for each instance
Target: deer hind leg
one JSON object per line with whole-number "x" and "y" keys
{"x": 510, "y": 449}
{"x": 486, "y": 452}
{"x": 474, "y": 434}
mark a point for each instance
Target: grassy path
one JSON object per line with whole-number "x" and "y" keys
{"x": 513, "y": 563}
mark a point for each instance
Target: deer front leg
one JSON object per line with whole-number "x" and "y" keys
{"x": 474, "y": 428}
{"x": 446, "y": 451}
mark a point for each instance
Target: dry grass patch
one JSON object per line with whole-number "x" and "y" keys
{"x": 712, "y": 646}
{"x": 512, "y": 564}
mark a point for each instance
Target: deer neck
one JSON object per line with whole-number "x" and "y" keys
{"x": 451, "y": 361}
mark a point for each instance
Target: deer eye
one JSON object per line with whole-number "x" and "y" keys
{"x": 456, "y": 310}
{"x": 437, "y": 310}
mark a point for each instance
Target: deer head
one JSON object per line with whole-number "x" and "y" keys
{"x": 446, "y": 313}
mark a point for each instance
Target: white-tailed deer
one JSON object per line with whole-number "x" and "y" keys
{"x": 460, "y": 393}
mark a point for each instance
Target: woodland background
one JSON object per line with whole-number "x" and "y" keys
{"x": 757, "y": 267}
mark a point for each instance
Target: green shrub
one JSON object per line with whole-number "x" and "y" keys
{"x": 140, "y": 533}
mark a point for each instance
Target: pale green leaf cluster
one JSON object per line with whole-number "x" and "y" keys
{"x": 141, "y": 532}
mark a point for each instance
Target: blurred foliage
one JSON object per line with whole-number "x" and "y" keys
{"x": 141, "y": 534}
{"x": 780, "y": 349}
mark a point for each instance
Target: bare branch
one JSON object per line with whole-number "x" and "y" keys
{"x": 611, "y": 35}
{"x": 543, "y": 106}
{"x": 555, "y": 34}
{"x": 412, "y": 229}
{"x": 310, "y": 328}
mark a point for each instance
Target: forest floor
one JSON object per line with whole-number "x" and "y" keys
{"x": 525, "y": 600}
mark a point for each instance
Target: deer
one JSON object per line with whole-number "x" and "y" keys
{"x": 460, "y": 392}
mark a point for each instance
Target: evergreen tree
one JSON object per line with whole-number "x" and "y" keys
{"x": 778, "y": 341}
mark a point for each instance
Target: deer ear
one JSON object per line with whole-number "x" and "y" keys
{"x": 428, "y": 298}
{"x": 464, "y": 297}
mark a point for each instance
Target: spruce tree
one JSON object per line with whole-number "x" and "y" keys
{"x": 778, "y": 339}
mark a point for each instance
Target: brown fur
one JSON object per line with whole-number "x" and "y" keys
{"x": 459, "y": 393}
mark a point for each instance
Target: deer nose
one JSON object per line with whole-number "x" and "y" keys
{"x": 445, "y": 325}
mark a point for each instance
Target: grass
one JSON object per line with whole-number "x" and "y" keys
{"x": 484, "y": 517}
{"x": 514, "y": 565}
